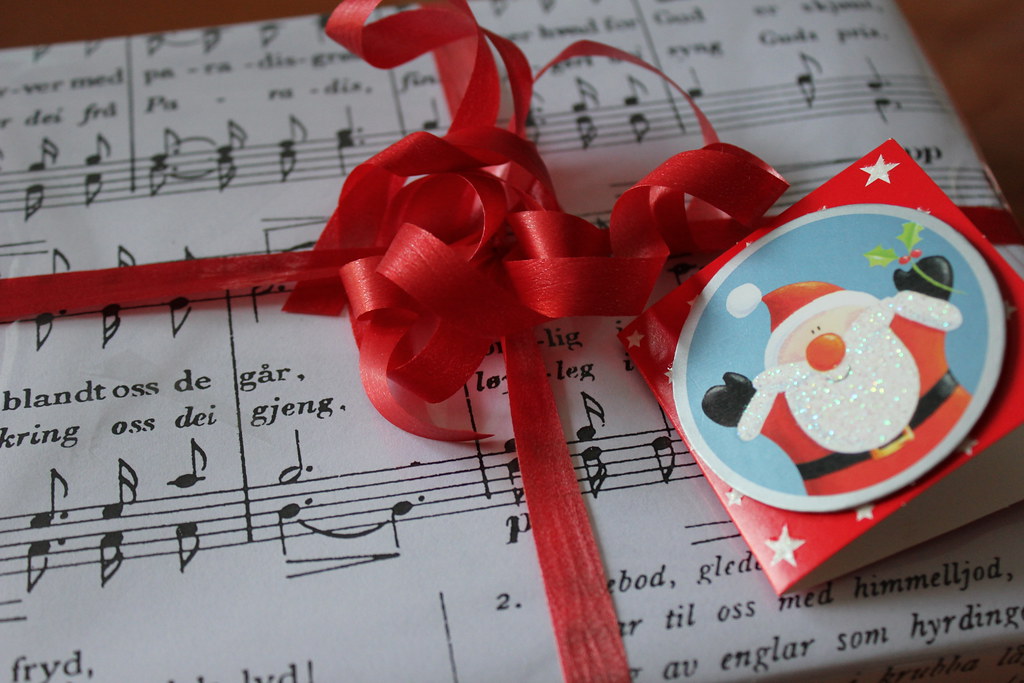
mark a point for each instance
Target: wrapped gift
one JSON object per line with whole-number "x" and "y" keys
{"x": 168, "y": 459}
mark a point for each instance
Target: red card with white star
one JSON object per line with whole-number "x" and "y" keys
{"x": 846, "y": 372}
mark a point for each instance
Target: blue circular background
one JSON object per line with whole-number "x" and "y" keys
{"x": 828, "y": 250}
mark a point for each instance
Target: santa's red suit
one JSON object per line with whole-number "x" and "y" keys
{"x": 940, "y": 399}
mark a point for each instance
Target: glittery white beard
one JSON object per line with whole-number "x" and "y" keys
{"x": 865, "y": 408}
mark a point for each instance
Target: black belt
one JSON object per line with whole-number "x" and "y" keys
{"x": 926, "y": 405}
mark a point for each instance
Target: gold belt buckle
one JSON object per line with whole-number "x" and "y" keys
{"x": 894, "y": 445}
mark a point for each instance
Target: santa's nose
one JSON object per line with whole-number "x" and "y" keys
{"x": 826, "y": 352}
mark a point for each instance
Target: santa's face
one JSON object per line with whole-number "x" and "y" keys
{"x": 861, "y": 385}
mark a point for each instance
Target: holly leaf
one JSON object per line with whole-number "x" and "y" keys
{"x": 880, "y": 256}
{"x": 911, "y": 235}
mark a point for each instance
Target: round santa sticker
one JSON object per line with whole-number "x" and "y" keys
{"x": 839, "y": 357}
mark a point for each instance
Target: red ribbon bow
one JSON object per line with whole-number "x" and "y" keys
{"x": 477, "y": 249}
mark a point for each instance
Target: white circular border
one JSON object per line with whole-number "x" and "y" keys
{"x": 841, "y": 501}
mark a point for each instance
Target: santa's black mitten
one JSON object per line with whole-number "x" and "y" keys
{"x": 935, "y": 267}
{"x": 725, "y": 403}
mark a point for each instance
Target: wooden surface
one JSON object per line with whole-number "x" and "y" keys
{"x": 977, "y": 47}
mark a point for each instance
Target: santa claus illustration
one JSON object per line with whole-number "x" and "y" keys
{"x": 855, "y": 388}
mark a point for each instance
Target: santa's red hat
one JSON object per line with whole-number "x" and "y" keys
{"x": 790, "y": 306}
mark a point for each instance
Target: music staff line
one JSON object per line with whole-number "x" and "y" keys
{"x": 458, "y": 463}
{"x": 609, "y": 125}
{"x": 343, "y": 523}
{"x": 177, "y": 170}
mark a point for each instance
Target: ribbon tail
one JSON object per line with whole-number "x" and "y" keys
{"x": 582, "y": 614}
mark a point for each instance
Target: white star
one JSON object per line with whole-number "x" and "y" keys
{"x": 967, "y": 446}
{"x": 668, "y": 373}
{"x": 878, "y": 171}
{"x": 784, "y": 546}
{"x": 692, "y": 301}
{"x": 1009, "y": 308}
{"x": 734, "y": 497}
{"x": 634, "y": 339}
{"x": 865, "y": 512}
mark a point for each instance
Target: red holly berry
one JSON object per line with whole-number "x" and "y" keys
{"x": 904, "y": 260}
{"x": 915, "y": 254}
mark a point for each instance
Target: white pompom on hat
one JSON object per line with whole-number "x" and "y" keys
{"x": 743, "y": 300}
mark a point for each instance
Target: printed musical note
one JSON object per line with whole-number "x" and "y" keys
{"x": 176, "y": 305}
{"x": 513, "y": 470}
{"x": 268, "y": 32}
{"x": 157, "y": 173}
{"x": 876, "y": 82}
{"x": 226, "y": 168}
{"x": 159, "y": 169}
{"x": 805, "y": 80}
{"x": 640, "y": 125}
{"x": 94, "y": 179}
{"x": 292, "y": 473}
{"x": 186, "y": 532}
{"x": 91, "y": 46}
{"x": 697, "y": 90}
{"x": 34, "y": 572}
{"x": 38, "y": 51}
{"x": 593, "y": 409}
{"x": 595, "y": 469}
{"x": 211, "y": 36}
{"x": 286, "y": 157}
{"x": 586, "y": 129}
{"x": 289, "y": 511}
{"x": 34, "y": 193}
{"x": 636, "y": 86}
{"x": 111, "y": 322}
{"x": 533, "y": 124}
{"x": 127, "y": 490}
{"x": 665, "y": 456}
{"x": 588, "y": 96}
{"x": 59, "y": 262}
{"x": 190, "y": 479}
{"x": 44, "y": 326}
{"x": 125, "y": 258}
{"x": 882, "y": 104}
{"x": 498, "y": 7}
{"x": 432, "y": 124}
{"x": 45, "y": 519}
{"x": 321, "y": 26}
{"x": 153, "y": 43}
{"x": 345, "y": 140}
{"x": 638, "y": 122}
{"x": 111, "y": 556}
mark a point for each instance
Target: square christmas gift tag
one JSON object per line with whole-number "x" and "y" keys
{"x": 848, "y": 376}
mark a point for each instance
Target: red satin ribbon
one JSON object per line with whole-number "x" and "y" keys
{"x": 441, "y": 245}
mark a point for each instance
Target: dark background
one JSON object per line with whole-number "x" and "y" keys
{"x": 976, "y": 46}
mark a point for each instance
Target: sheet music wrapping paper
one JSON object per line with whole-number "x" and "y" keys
{"x": 197, "y": 490}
